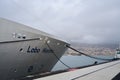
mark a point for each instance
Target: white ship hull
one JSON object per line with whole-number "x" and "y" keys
{"x": 25, "y": 51}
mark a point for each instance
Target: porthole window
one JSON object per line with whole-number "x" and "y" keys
{"x": 19, "y": 35}
{"x": 24, "y": 36}
{"x": 21, "y": 50}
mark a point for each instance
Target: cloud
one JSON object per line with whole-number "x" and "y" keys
{"x": 86, "y": 21}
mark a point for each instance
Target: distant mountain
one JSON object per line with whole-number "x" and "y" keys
{"x": 94, "y": 49}
{"x": 112, "y": 46}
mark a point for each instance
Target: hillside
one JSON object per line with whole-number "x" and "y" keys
{"x": 93, "y": 49}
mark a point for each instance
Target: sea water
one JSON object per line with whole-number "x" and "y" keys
{"x": 77, "y": 61}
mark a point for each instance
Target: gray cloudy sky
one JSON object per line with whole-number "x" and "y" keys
{"x": 86, "y": 21}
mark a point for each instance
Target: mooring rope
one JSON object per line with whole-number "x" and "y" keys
{"x": 57, "y": 56}
{"x": 75, "y": 51}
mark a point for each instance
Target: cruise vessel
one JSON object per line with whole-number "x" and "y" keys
{"x": 25, "y": 51}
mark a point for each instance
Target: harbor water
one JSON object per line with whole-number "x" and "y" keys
{"x": 77, "y": 61}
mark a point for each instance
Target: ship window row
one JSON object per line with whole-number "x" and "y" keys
{"x": 19, "y": 36}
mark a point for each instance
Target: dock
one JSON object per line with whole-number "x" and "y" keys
{"x": 107, "y": 71}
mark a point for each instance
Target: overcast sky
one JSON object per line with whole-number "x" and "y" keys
{"x": 84, "y": 21}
